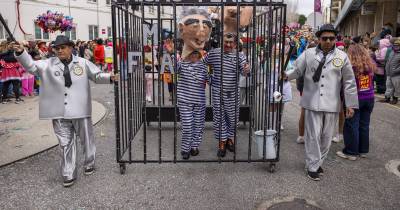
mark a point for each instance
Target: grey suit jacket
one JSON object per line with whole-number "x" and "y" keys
{"x": 57, "y": 101}
{"x": 336, "y": 74}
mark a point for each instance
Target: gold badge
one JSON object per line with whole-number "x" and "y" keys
{"x": 78, "y": 71}
{"x": 337, "y": 62}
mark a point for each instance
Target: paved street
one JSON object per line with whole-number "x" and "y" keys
{"x": 35, "y": 183}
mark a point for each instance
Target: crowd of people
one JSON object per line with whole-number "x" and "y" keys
{"x": 374, "y": 60}
{"x": 15, "y": 81}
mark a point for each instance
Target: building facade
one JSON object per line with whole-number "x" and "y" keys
{"x": 356, "y": 17}
{"x": 92, "y": 18}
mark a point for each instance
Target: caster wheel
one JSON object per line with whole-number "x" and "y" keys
{"x": 272, "y": 167}
{"x": 122, "y": 168}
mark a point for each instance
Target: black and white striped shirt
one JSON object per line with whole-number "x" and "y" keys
{"x": 192, "y": 82}
{"x": 213, "y": 58}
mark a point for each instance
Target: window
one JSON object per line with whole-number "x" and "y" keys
{"x": 40, "y": 34}
{"x": 109, "y": 32}
{"x": 151, "y": 9}
{"x": 92, "y": 1}
{"x": 108, "y": 2}
{"x": 3, "y": 33}
{"x": 93, "y": 32}
{"x": 71, "y": 34}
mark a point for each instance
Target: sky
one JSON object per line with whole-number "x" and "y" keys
{"x": 306, "y": 7}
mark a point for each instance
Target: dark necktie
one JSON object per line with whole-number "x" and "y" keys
{"x": 318, "y": 72}
{"x": 67, "y": 75}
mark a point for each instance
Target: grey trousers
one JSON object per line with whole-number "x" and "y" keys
{"x": 319, "y": 128}
{"x": 392, "y": 86}
{"x": 67, "y": 131}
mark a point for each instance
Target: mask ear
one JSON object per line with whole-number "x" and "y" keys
{"x": 180, "y": 28}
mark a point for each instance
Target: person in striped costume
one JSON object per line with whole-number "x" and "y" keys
{"x": 195, "y": 29}
{"x": 193, "y": 76}
{"x": 226, "y": 109}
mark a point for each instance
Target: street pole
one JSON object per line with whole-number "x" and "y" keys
{"x": 98, "y": 25}
{"x": 315, "y": 20}
{"x": 69, "y": 7}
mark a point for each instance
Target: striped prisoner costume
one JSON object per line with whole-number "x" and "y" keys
{"x": 191, "y": 97}
{"x": 226, "y": 114}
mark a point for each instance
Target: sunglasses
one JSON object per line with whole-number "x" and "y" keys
{"x": 192, "y": 21}
{"x": 62, "y": 47}
{"x": 325, "y": 38}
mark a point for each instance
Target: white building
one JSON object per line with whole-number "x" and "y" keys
{"x": 92, "y": 18}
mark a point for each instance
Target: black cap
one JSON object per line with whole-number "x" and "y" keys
{"x": 326, "y": 28}
{"x": 62, "y": 40}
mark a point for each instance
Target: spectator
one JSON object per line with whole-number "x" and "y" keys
{"x": 42, "y": 48}
{"x": 108, "y": 54}
{"x": 392, "y": 70}
{"x": 11, "y": 74}
{"x": 381, "y": 58}
{"x": 356, "y": 129}
{"x": 99, "y": 54}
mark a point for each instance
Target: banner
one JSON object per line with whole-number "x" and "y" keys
{"x": 317, "y": 6}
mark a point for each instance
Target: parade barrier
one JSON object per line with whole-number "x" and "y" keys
{"x": 148, "y": 130}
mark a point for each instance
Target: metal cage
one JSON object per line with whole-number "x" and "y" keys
{"x": 148, "y": 131}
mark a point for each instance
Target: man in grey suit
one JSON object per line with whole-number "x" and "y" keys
{"x": 327, "y": 71}
{"x": 65, "y": 99}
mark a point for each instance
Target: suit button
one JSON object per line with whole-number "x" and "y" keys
{"x": 322, "y": 94}
{"x": 324, "y": 67}
{"x": 322, "y": 76}
{"x": 65, "y": 103}
{"x": 65, "y": 94}
{"x": 321, "y": 86}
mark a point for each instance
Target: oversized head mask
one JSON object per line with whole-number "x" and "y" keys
{"x": 230, "y": 18}
{"x": 194, "y": 28}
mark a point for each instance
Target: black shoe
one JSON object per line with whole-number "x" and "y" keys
{"x": 5, "y": 101}
{"x": 68, "y": 183}
{"x": 394, "y": 101}
{"x": 230, "y": 145}
{"x": 320, "y": 171}
{"x": 18, "y": 100}
{"x": 194, "y": 151}
{"x": 185, "y": 155}
{"x": 221, "y": 149}
{"x": 313, "y": 176}
{"x": 89, "y": 171}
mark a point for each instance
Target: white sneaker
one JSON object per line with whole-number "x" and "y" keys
{"x": 342, "y": 155}
{"x": 300, "y": 140}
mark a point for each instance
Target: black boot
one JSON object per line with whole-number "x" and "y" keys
{"x": 185, "y": 155}
{"x": 194, "y": 151}
{"x": 221, "y": 149}
{"x": 230, "y": 145}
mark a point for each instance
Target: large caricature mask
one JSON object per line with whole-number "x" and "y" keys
{"x": 230, "y": 15}
{"x": 195, "y": 31}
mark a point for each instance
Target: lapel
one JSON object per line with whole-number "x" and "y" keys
{"x": 59, "y": 64}
{"x": 316, "y": 53}
{"x": 331, "y": 57}
{"x": 73, "y": 63}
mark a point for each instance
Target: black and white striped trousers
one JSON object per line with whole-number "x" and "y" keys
{"x": 192, "y": 120}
